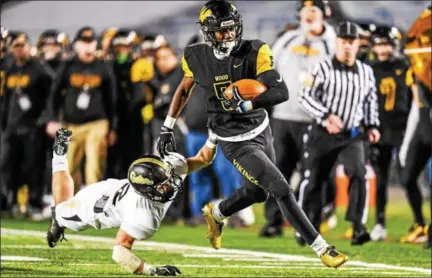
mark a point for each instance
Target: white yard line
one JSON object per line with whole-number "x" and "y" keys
{"x": 184, "y": 247}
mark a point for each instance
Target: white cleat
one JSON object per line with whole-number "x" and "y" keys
{"x": 378, "y": 233}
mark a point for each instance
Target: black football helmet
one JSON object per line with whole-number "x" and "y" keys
{"x": 220, "y": 15}
{"x": 385, "y": 35}
{"x": 154, "y": 178}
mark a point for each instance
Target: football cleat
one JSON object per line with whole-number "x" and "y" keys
{"x": 416, "y": 234}
{"x": 349, "y": 233}
{"x": 61, "y": 141}
{"x": 300, "y": 240}
{"x": 271, "y": 231}
{"x": 378, "y": 233}
{"x": 55, "y": 232}
{"x": 333, "y": 258}
{"x": 214, "y": 233}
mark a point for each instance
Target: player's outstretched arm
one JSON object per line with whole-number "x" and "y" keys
{"x": 62, "y": 182}
{"x": 126, "y": 259}
{"x": 205, "y": 156}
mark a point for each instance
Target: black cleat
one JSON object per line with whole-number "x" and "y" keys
{"x": 360, "y": 237}
{"x": 271, "y": 231}
{"x": 61, "y": 141}
{"x": 55, "y": 232}
{"x": 300, "y": 240}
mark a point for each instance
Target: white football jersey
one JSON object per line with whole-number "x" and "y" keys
{"x": 115, "y": 203}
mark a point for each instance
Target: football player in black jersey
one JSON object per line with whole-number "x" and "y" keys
{"x": 242, "y": 126}
{"x": 393, "y": 81}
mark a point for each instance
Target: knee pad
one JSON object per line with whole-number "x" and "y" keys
{"x": 280, "y": 189}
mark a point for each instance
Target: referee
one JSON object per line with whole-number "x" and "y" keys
{"x": 340, "y": 95}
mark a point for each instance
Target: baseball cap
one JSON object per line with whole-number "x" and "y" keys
{"x": 347, "y": 30}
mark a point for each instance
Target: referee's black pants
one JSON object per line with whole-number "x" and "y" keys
{"x": 417, "y": 156}
{"x": 320, "y": 154}
{"x": 288, "y": 145}
{"x": 255, "y": 159}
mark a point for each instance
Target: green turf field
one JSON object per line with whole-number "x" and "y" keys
{"x": 244, "y": 254}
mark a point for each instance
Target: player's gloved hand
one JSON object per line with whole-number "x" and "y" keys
{"x": 238, "y": 103}
{"x": 166, "y": 141}
{"x": 166, "y": 270}
{"x": 61, "y": 141}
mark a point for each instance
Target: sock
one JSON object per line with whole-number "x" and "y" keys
{"x": 319, "y": 245}
{"x": 59, "y": 163}
{"x": 217, "y": 214}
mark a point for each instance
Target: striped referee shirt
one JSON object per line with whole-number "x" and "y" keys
{"x": 348, "y": 92}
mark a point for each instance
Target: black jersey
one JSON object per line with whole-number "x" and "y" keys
{"x": 393, "y": 81}
{"x": 252, "y": 58}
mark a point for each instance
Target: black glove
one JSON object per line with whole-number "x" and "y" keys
{"x": 166, "y": 141}
{"x": 167, "y": 270}
{"x": 61, "y": 141}
{"x": 237, "y": 103}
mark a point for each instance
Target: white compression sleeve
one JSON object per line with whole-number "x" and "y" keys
{"x": 126, "y": 259}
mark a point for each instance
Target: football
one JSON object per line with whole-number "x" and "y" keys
{"x": 248, "y": 89}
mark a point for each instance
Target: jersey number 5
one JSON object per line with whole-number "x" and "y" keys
{"x": 388, "y": 88}
{"x": 219, "y": 88}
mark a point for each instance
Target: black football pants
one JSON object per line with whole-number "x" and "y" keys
{"x": 417, "y": 156}
{"x": 320, "y": 154}
{"x": 255, "y": 159}
{"x": 381, "y": 156}
{"x": 288, "y": 145}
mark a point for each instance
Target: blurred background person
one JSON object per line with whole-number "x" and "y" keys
{"x": 295, "y": 52}
{"x": 26, "y": 89}
{"x": 51, "y": 45}
{"x": 393, "y": 81}
{"x": 88, "y": 107}
{"x": 416, "y": 148}
{"x": 120, "y": 56}
{"x": 144, "y": 85}
{"x": 340, "y": 95}
{"x": 169, "y": 74}
{"x": 366, "y": 28}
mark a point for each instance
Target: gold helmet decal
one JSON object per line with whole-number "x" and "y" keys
{"x": 205, "y": 12}
{"x": 138, "y": 179}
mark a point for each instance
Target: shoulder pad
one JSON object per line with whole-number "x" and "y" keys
{"x": 190, "y": 49}
{"x": 256, "y": 44}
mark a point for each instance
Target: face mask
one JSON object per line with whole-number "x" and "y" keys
{"x": 122, "y": 58}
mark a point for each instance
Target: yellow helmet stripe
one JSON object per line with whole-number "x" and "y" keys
{"x": 151, "y": 160}
{"x": 205, "y": 12}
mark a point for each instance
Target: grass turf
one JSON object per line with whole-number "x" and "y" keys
{"x": 87, "y": 258}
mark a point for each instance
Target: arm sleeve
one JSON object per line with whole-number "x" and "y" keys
{"x": 311, "y": 91}
{"x": 109, "y": 94}
{"x": 370, "y": 106}
{"x": 277, "y": 90}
